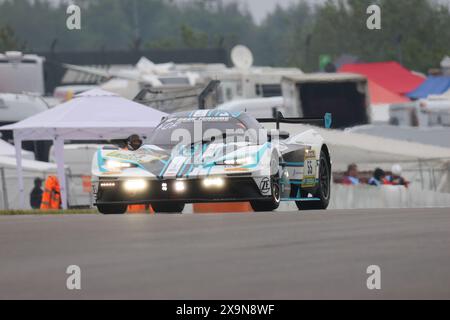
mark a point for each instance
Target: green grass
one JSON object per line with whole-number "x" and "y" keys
{"x": 46, "y": 212}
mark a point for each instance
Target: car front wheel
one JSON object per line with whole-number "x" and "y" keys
{"x": 112, "y": 208}
{"x": 168, "y": 207}
{"x": 273, "y": 202}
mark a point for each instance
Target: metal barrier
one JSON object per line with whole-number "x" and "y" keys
{"x": 353, "y": 197}
{"x": 9, "y": 189}
{"x": 342, "y": 196}
{"x": 366, "y": 197}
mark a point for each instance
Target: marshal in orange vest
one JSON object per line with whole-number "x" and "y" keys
{"x": 51, "y": 198}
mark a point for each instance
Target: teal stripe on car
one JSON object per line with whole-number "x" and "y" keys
{"x": 293, "y": 164}
{"x": 100, "y": 160}
{"x": 161, "y": 174}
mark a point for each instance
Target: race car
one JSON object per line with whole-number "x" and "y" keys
{"x": 216, "y": 156}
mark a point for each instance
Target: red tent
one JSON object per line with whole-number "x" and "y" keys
{"x": 380, "y": 95}
{"x": 389, "y": 75}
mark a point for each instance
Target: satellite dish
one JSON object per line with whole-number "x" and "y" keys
{"x": 242, "y": 57}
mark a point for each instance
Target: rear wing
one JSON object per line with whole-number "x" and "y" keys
{"x": 278, "y": 118}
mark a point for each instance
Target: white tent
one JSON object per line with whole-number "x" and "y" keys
{"x": 8, "y": 150}
{"x": 9, "y": 194}
{"x": 92, "y": 115}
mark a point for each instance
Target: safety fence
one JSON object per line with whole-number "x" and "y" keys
{"x": 366, "y": 197}
{"x": 352, "y": 197}
{"x": 342, "y": 196}
{"x": 9, "y": 187}
{"x": 79, "y": 188}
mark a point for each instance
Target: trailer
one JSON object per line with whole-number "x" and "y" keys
{"x": 345, "y": 95}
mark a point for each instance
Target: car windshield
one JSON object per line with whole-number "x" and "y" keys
{"x": 181, "y": 130}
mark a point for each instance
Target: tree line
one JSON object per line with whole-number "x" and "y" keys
{"x": 413, "y": 32}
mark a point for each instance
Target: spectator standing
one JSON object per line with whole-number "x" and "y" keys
{"x": 36, "y": 194}
{"x": 396, "y": 178}
{"x": 352, "y": 175}
{"x": 378, "y": 178}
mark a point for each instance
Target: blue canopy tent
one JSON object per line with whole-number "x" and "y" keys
{"x": 434, "y": 85}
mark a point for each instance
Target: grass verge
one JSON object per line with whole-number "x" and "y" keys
{"x": 46, "y": 212}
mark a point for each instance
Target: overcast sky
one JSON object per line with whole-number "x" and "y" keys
{"x": 260, "y": 8}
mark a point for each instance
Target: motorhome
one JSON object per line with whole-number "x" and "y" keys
{"x": 21, "y": 91}
{"x": 16, "y": 107}
{"x": 245, "y": 81}
{"x": 21, "y": 73}
{"x": 127, "y": 81}
{"x": 257, "y": 107}
{"x": 431, "y": 112}
{"x": 242, "y": 81}
{"x": 256, "y": 82}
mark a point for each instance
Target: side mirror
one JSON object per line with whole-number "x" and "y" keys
{"x": 282, "y": 135}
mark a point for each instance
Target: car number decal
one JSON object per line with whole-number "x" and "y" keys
{"x": 309, "y": 170}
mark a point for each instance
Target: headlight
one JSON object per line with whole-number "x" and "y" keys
{"x": 214, "y": 182}
{"x": 116, "y": 165}
{"x": 135, "y": 185}
{"x": 109, "y": 184}
{"x": 180, "y": 186}
{"x": 239, "y": 161}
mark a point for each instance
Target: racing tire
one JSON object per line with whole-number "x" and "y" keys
{"x": 112, "y": 208}
{"x": 273, "y": 202}
{"x": 323, "y": 190}
{"x": 168, "y": 207}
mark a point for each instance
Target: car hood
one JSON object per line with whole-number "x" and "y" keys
{"x": 180, "y": 160}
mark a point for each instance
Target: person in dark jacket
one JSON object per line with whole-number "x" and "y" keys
{"x": 36, "y": 194}
{"x": 378, "y": 178}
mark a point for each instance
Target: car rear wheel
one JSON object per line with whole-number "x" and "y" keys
{"x": 323, "y": 190}
{"x": 112, "y": 208}
{"x": 168, "y": 207}
{"x": 273, "y": 202}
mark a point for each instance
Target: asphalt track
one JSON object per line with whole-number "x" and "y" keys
{"x": 229, "y": 256}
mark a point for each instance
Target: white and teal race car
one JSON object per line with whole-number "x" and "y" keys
{"x": 216, "y": 156}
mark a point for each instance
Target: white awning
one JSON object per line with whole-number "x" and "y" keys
{"x": 91, "y": 115}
